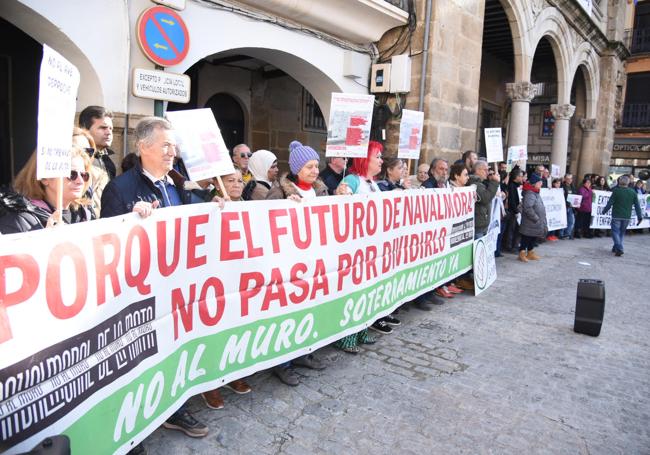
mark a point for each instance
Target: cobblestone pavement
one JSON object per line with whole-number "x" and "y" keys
{"x": 501, "y": 373}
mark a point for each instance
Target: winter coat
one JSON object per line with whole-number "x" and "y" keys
{"x": 568, "y": 189}
{"x": 257, "y": 190}
{"x": 19, "y": 214}
{"x": 585, "y": 204}
{"x": 387, "y": 185}
{"x": 623, "y": 199}
{"x": 485, "y": 192}
{"x": 331, "y": 179}
{"x": 122, "y": 193}
{"x": 513, "y": 200}
{"x": 533, "y": 215}
{"x": 287, "y": 188}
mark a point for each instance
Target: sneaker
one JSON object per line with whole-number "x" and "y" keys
{"x": 213, "y": 399}
{"x": 352, "y": 349}
{"x": 618, "y": 253}
{"x": 239, "y": 386}
{"x": 308, "y": 361}
{"x": 381, "y": 326}
{"x": 390, "y": 320}
{"x": 552, "y": 238}
{"x": 453, "y": 289}
{"x": 443, "y": 292}
{"x": 183, "y": 421}
{"x": 286, "y": 375}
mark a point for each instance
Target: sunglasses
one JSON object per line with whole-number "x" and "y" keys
{"x": 74, "y": 174}
{"x": 245, "y": 155}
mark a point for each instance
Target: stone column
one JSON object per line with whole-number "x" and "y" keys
{"x": 562, "y": 114}
{"x": 588, "y": 151}
{"x": 521, "y": 93}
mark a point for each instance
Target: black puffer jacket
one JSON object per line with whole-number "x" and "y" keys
{"x": 18, "y": 214}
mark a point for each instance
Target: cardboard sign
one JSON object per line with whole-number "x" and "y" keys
{"x": 574, "y": 200}
{"x": 553, "y": 199}
{"x": 57, "y": 101}
{"x": 410, "y": 134}
{"x": 493, "y": 145}
{"x": 555, "y": 171}
{"x": 348, "y": 132}
{"x": 200, "y": 143}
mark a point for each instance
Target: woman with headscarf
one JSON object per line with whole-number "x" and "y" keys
{"x": 263, "y": 165}
{"x": 360, "y": 180}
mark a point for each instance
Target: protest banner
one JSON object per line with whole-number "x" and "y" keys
{"x": 574, "y": 200}
{"x": 410, "y": 135}
{"x": 200, "y": 143}
{"x": 484, "y": 262}
{"x": 348, "y": 131}
{"x": 57, "y": 102}
{"x": 604, "y": 221}
{"x": 135, "y": 316}
{"x": 493, "y": 145}
{"x": 553, "y": 199}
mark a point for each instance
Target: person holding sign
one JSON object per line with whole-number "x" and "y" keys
{"x": 151, "y": 182}
{"x": 42, "y": 192}
{"x": 300, "y": 183}
{"x": 533, "y": 218}
{"x": 621, "y": 201}
{"x": 567, "y": 186}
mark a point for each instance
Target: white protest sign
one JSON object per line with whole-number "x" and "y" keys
{"x": 348, "y": 132}
{"x": 555, "y": 170}
{"x": 485, "y": 267}
{"x": 493, "y": 145}
{"x": 57, "y": 100}
{"x": 161, "y": 85}
{"x": 574, "y": 200}
{"x": 200, "y": 143}
{"x": 604, "y": 221}
{"x": 553, "y": 199}
{"x": 517, "y": 153}
{"x": 410, "y": 134}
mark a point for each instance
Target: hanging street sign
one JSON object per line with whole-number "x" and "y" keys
{"x": 163, "y": 36}
{"x": 161, "y": 85}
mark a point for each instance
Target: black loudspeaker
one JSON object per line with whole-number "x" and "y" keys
{"x": 590, "y": 307}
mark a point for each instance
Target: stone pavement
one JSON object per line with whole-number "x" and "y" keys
{"x": 502, "y": 373}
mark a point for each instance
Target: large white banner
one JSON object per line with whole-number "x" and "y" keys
{"x": 57, "y": 101}
{"x": 107, "y": 327}
{"x": 348, "y": 131}
{"x": 604, "y": 221}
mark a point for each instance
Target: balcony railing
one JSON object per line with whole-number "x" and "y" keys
{"x": 638, "y": 40}
{"x": 636, "y": 115}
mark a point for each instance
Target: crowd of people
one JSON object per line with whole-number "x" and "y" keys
{"x": 153, "y": 176}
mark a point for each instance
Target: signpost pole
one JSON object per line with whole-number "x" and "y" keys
{"x": 158, "y": 105}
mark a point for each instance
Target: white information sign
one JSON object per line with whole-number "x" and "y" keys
{"x": 348, "y": 132}
{"x": 161, "y": 85}
{"x": 555, "y": 207}
{"x": 57, "y": 101}
{"x": 410, "y": 134}
{"x": 200, "y": 143}
{"x": 493, "y": 145}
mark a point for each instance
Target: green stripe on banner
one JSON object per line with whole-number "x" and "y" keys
{"x": 122, "y": 418}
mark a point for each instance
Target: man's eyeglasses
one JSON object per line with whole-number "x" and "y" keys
{"x": 75, "y": 174}
{"x": 245, "y": 155}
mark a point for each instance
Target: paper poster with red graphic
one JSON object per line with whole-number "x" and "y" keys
{"x": 348, "y": 131}
{"x": 200, "y": 143}
{"x": 410, "y": 134}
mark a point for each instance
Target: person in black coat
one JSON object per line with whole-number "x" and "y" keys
{"x": 18, "y": 214}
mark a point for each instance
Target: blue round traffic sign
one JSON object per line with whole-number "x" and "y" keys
{"x": 163, "y": 36}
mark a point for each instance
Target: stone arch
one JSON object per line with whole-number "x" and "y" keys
{"x": 551, "y": 25}
{"x": 32, "y": 23}
{"x": 239, "y": 108}
{"x": 585, "y": 58}
{"x": 517, "y": 20}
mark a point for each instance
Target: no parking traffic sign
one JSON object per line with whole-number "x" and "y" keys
{"x": 163, "y": 36}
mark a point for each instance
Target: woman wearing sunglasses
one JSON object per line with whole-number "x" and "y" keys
{"x": 42, "y": 193}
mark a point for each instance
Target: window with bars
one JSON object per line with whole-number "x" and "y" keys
{"x": 312, "y": 117}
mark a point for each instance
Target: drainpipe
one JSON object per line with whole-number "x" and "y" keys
{"x": 425, "y": 61}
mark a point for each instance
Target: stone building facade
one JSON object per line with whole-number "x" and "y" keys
{"x": 505, "y": 63}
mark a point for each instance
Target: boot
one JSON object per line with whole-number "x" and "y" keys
{"x": 522, "y": 256}
{"x": 532, "y": 256}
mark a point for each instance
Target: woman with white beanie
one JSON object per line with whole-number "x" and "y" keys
{"x": 264, "y": 167}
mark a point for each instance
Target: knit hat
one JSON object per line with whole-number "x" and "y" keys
{"x": 299, "y": 155}
{"x": 260, "y": 163}
{"x": 534, "y": 178}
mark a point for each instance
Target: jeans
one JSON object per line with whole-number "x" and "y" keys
{"x": 619, "y": 226}
{"x": 570, "y": 222}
